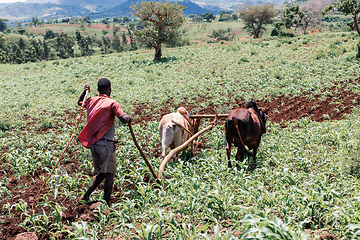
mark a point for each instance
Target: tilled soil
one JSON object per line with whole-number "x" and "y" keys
{"x": 281, "y": 110}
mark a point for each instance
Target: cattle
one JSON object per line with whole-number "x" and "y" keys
{"x": 245, "y": 127}
{"x": 176, "y": 128}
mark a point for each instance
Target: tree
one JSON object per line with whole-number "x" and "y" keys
{"x": 226, "y": 18}
{"x": 21, "y": 31}
{"x": 49, "y": 34}
{"x": 219, "y": 35}
{"x": 348, "y": 7}
{"x": 116, "y": 44}
{"x": 312, "y": 12}
{"x": 115, "y": 30}
{"x": 106, "y": 45}
{"x": 64, "y": 46}
{"x": 84, "y": 44}
{"x": 126, "y": 19}
{"x": 256, "y": 17}
{"x": 3, "y": 25}
{"x": 162, "y": 21}
{"x": 209, "y": 17}
{"x": 293, "y": 17}
{"x": 124, "y": 39}
{"x": 35, "y": 21}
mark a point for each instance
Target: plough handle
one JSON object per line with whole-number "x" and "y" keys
{"x": 142, "y": 153}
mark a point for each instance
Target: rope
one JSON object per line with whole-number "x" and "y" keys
{"x": 78, "y": 118}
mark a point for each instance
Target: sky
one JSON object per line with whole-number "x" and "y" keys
{"x": 11, "y": 1}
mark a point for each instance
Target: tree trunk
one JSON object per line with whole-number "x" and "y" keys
{"x": 158, "y": 53}
{"x": 356, "y": 24}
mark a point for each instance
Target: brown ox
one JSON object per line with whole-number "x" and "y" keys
{"x": 246, "y": 127}
{"x": 176, "y": 128}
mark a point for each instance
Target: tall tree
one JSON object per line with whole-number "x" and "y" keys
{"x": 256, "y": 17}
{"x": 84, "y": 44}
{"x": 293, "y": 17}
{"x": 162, "y": 21}
{"x": 3, "y": 25}
{"x": 35, "y": 21}
{"x": 348, "y": 7}
{"x": 64, "y": 46}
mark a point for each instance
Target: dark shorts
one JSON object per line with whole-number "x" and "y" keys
{"x": 103, "y": 156}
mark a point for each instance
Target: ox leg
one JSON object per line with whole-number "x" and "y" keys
{"x": 228, "y": 152}
{"x": 239, "y": 155}
{"x": 166, "y": 140}
{"x": 253, "y": 163}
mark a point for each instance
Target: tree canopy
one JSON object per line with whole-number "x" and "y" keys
{"x": 348, "y": 7}
{"x": 256, "y": 17}
{"x": 161, "y": 23}
{"x": 3, "y": 25}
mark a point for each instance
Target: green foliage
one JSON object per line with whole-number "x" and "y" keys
{"x": 64, "y": 46}
{"x": 293, "y": 17}
{"x": 301, "y": 189}
{"x": 256, "y": 17}
{"x": 220, "y": 34}
{"x": 162, "y": 20}
{"x": 84, "y": 44}
{"x": 49, "y": 34}
{"x": 3, "y": 25}
{"x": 348, "y": 7}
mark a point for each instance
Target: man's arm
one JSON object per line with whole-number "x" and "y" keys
{"x": 81, "y": 98}
{"x": 125, "y": 118}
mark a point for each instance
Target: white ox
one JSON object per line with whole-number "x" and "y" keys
{"x": 176, "y": 128}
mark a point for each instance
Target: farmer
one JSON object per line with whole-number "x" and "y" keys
{"x": 99, "y": 135}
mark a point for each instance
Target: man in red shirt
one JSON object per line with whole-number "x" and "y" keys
{"x": 99, "y": 135}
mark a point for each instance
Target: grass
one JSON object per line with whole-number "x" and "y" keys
{"x": 301, "y": 189}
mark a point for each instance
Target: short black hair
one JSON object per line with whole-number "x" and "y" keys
{"x": 103, "y": 84}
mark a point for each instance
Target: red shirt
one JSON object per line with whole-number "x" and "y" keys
{"x": 101, "y": 112}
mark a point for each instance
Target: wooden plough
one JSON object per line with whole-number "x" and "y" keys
{"x": 185, "y": 144}
{"x": 179, "y": 148}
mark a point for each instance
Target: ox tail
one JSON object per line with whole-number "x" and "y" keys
{"x": 241, "y": 141}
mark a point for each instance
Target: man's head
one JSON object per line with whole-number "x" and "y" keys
{"x": 104, "y": 86}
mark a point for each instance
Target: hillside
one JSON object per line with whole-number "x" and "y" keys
{"x": 124, "y": 9}
{"x": 301, "y": 188}
{"x": 53, "y": 9}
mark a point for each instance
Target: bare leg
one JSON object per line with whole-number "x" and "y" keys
{"x": 108, "y": 185}
{"x": 94, "y": 184}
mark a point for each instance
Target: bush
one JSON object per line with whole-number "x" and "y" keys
{"x": 358, "y": 53}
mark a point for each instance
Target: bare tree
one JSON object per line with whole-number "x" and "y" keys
{"x": 312, "y": 10}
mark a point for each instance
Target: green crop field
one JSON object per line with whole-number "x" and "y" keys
{"x": 302, "y": 187}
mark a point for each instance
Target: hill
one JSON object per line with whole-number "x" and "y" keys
{"x": 25, "y": 11}
{"x": 52, "y": 9}
{"x": 124, "y": 9}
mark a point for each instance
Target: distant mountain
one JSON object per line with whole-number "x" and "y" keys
{"x": 124, "y": 9}
{"x": 52, "y": 9}
{"x": 24, "y": 11}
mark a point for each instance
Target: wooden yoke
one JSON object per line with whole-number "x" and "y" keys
{"x": 183, "y": 146}
{"x": 211, "y": 116}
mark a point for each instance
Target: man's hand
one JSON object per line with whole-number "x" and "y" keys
{"x": 125, "y": 119}
{"x": 87, "y": 88}
{"x": 82, "y": 96}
